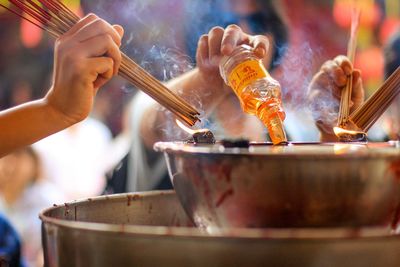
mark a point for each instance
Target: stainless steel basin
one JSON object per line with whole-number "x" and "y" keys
{"x": 151, "y": 229}
{"x": 300, "y": 185}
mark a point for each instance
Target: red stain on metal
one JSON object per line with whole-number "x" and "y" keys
{"x": 395, "y": 167}
{"x": 226, "y": 172}
{"x": 129, "y": 197}
{"x": 224, "y": 195}
{"x": 66, "y": 210}
{"x": 223, "y": 170}
{"x": 174, "y": 220}
{"x": 132, "y": 197}
{"x": 396, "y": 217}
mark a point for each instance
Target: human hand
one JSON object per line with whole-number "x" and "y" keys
{"x": 219, "y": 42}
{"x": 324, "y": 93}
{"x": 85, "y": 58}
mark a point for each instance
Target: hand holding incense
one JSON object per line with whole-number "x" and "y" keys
{"x": 55, "y": 18}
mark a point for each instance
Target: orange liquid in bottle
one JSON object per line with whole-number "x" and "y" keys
{"x": 258, "y": 92}
{"x": 269, "y": 111}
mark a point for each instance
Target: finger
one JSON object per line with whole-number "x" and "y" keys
{"x": 202, "y": 50}
{"x": 101, "y": 69}
{"x": 357, "y": 94}
{"x": 233, "y": 36}
{"x": 335, "y": 72}
{"x": 260, "y": 44}
{"x": 344, "y": 63}
{"x": 119, "y": 30}
{"x": 214, "y": 44}
{"x": 95, "y": 28}
{"x": 102, "y": 45}
{"x": 81, "y": 23}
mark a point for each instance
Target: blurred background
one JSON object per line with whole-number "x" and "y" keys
{"x": 162, "y": 36}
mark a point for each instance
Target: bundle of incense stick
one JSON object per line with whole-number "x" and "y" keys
{"x": 55, "y": 18}
{"x": 344, "y": 110}
{"x": 368, "y": 113}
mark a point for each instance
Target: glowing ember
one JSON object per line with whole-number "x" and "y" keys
{"x": 203, "y": 136}
{"x": 350, "y": 135}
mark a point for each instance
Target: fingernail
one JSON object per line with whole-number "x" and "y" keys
{"x": 260, "y": 52}
{"x": 347, "y": 70}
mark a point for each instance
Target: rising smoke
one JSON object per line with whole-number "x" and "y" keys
{"x": 155, "y": 38}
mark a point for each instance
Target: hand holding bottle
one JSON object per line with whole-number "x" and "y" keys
{"x": 220, "y": 42}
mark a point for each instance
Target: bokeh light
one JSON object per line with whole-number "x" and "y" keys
{"x": 31, "y": 35}
{"x": 370, "y": 12}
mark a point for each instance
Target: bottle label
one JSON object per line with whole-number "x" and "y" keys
{"x": 245, "y": 73}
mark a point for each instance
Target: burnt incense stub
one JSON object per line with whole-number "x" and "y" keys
{"x": 346, "y": 135}
{"x": 204, "y": 137}
{"x": 357, "y": 137}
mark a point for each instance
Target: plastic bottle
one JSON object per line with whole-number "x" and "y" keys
{"x": 258, "y": 92}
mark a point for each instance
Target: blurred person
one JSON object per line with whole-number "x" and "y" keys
{"x": 75, "y": 158}
{"x": 23, "y": 194}
{"x": 146, "y": 169}
{"x": 86, "y": 57}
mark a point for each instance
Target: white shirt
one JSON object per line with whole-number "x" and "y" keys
{"x": 74, "y": 159}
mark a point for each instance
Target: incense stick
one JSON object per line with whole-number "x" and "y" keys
{"x": 56, "y": 18}
{"x": 368, "y": 113}
{"x": 344, "y": 109}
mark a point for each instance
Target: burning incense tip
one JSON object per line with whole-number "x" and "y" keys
{"x": 200, "y": 136}
{"x": 350, "y": 136}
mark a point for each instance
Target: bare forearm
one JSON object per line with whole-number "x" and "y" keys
{"x": 192, "y": 86}
{"x": 202, "y": 90}
{"x": 25, "y": 124}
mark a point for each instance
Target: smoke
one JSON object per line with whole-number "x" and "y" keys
{"x": 155, "y": 38}
{"x": 166, "y": 63}
{"x": 296, "y": 72}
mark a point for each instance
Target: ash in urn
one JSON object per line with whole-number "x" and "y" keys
{"x": 203, "y": 137}
{"x": 240, "y": 143}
